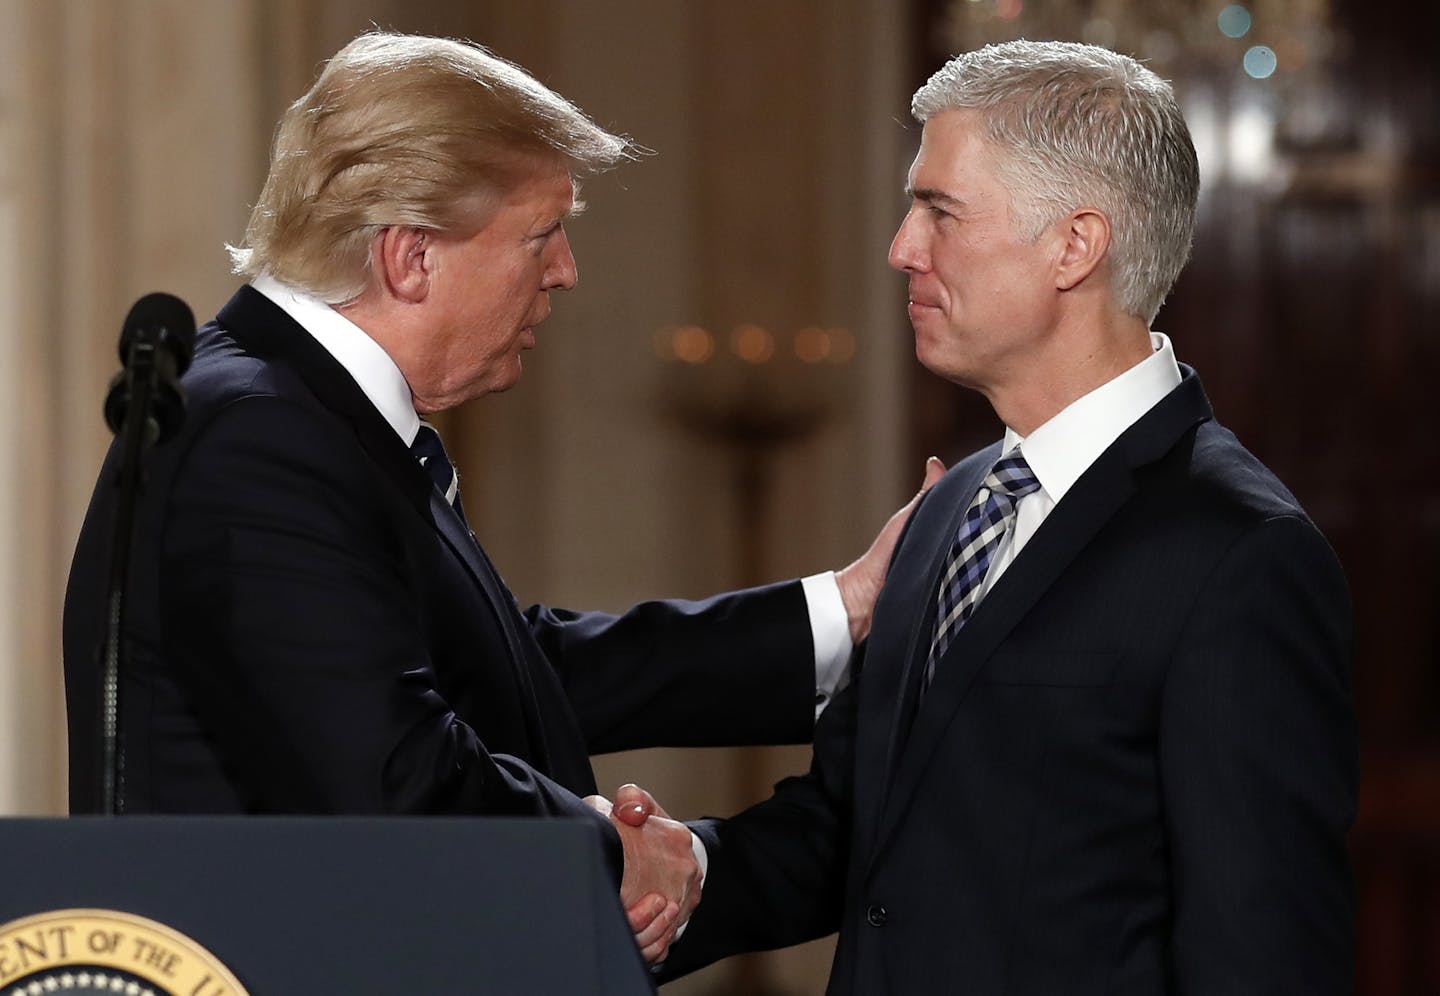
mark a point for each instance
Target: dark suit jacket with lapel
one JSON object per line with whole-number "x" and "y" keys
{"x": 311, "y": 628}
{"x": 1133, "y": 773}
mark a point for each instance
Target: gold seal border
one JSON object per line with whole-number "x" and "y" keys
{"x": 116, "y": 940}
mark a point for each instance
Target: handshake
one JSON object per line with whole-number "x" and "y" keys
{"x": 661, "y": 885}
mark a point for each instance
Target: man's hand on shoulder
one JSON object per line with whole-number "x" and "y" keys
{"x": 860, "y": 583}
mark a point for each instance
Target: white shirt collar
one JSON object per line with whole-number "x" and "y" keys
{"x": 1062, "y": 449}
{"x": 361, "y": 356}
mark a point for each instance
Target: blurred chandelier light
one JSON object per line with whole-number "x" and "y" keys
{"x": 1174, "y": 37}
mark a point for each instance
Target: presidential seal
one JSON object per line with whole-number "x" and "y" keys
{"x": 78, "y": 952}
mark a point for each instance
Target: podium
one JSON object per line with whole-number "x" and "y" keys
{"x": 353, "y": 905}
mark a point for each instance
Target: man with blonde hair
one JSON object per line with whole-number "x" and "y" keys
{"x": 1103, "y": 739}
{"x": 312, "y": 626}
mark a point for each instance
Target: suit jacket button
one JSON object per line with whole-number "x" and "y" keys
{"x": 876, "y": 916}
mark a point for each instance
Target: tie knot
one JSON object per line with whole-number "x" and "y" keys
{"x": 427, "y": 444}
{"x": 1012, "y": 476}
{"x": 428, "y": 449}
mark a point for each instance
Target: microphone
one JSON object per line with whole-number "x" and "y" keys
{"x": 156, "y": 344}
{"x": 144, "y": 406}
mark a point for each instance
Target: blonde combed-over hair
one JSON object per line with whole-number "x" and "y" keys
{"x": 404, "y": 130}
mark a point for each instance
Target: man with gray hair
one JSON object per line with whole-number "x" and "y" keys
{"x": 1102, "y": 740}
{"x": 312, "y": 626}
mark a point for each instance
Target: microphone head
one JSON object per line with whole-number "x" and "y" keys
{"x": 171, "y": 321}
{"x": 164, "y": 325}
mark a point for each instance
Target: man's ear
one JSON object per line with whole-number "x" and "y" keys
{"x": 1086, "y": 241}
{"x": 401, "y": 262}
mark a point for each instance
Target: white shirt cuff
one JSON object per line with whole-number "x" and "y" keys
{"x": 830, "y": 628}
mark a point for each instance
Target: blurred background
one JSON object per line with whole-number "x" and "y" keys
{"x": 730, "y": 396}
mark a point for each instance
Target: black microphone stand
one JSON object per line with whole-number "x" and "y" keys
{"x": 155, "y": 348}
{"x": 133, "y": 443}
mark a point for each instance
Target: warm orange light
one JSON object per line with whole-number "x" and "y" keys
{"x": 692, "y": 344}
{"x": 812, "y": 344}
{"x": 752, "y": 343}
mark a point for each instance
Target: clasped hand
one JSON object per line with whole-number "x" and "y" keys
{"x": 661, "y": 884}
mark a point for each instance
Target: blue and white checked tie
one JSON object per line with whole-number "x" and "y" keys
{"x": 431, "y": 453}
{"x": 979, "y": 536}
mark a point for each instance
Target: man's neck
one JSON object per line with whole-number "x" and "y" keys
{"x": 1075, "y": 365}
{"x": 367, "y": 361}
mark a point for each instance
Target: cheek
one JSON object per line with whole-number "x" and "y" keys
{"x": 520, "y": 288}
{"x": 957, "y": 266}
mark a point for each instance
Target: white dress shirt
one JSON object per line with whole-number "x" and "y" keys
{"x": 1062, "y": 449}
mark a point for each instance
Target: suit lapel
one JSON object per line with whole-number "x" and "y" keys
{"x": 1093, "y": 500}
{"x": 467, "y": 549}
{"x": 265, "y": 329}
{"x": 904, "y": 616}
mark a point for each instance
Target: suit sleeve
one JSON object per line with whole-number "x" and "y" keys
{"x": 777, "y": 870}
{"x": 1259, "y": 771}
{"x": 286, "y": 607}
{"x": 733, "y": 670}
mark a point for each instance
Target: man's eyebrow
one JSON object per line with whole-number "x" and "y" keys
{"x": 546, "y": 222}
{"x": 932, "y": 196}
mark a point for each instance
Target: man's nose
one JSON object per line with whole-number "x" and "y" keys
{"x": 562, "y": 273}
{"x": 906, "y": 249}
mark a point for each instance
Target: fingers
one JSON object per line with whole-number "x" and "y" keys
{"x": 643, "y": 914}
{"x": 598, "y": 803}
{"x": 654, "y": 922}
{"x": 860, "y": 582}
{"x": 934, "y": 470}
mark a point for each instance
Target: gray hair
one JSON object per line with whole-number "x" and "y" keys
{"x": 1077, "y": 125}
{"x": 404, "y": 130}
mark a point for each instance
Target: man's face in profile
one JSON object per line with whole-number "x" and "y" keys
{"x": 490, "y": 290}
{"x": 981, "y": 298}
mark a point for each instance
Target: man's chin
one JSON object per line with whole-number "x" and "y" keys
{"x": 926, "y": 351}
{"x": 938, "y": 361}
{"x": 508, "y": 379}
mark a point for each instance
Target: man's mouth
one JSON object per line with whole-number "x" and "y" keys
{"x": 527, "y": 331}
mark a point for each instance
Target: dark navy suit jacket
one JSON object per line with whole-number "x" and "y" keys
{"x": 1133, "y": 773}
{"x": 312, "y": 628}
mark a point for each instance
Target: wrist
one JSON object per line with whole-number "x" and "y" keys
{"x": 858, "y": 600}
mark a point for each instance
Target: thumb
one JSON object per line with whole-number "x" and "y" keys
{"x": 633, "y": 805}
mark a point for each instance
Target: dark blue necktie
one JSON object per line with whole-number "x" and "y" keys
{"x": 431, "y": 453}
